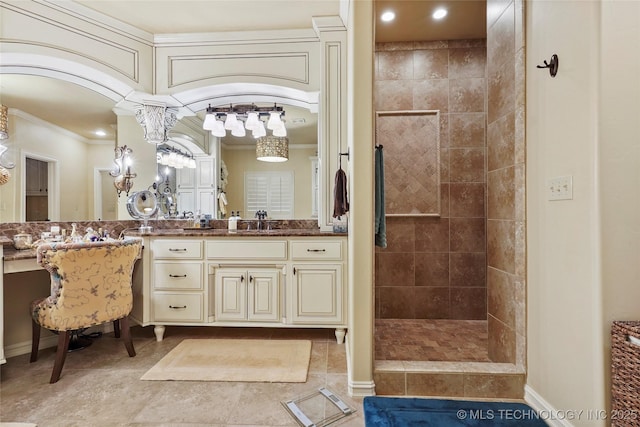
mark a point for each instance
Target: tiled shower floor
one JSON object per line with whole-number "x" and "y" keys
{"x": 431, "y": 340}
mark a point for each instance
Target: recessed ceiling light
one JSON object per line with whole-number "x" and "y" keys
{"x": 439, "y": 13}
{"x": 388, "y": 16}
{"x": 100, "y": 132}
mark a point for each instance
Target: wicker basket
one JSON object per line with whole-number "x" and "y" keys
{"x": 625, "y": 375}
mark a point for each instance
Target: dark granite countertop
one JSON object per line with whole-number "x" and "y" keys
{"x": 221, "y": 232}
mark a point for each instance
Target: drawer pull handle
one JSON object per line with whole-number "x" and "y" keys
{"x": 316, "y": 250}
{"x": 177, "y": 275}
{"x": 177, "y": 250}
{"x": 294, "y": 271}
{"x": 174, "y": 307}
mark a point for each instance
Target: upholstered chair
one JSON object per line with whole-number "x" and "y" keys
{"x": 90, "y": 285}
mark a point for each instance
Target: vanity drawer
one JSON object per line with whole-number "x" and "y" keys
{"x": 177, "y": 249}
{"x": 247, "y": 249}
{"x": 316, "y": 249}
{"x": 177, "y": 275}
{"x": 175, "y": 307}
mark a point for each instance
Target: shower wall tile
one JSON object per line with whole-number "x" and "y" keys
{"x": 431, "y": 302}
{"x": 467, "y": 62}
{"x": 467, "y": 269}
{"x": 501, "y": 245}
{"x": 502, "y": 341}
{"x": 520, "y": 298}
{"x": 416, "y": 271}
{"x": 432, "y": 269}
{"x": 519, "y": 196}
{"x": 519, "y": 137}
{"x": 501, "y": 90}
{"x": 501, "y": 292}
{"x": 500, "y": 148}
{"x": 401, "y": 235}
{"x": 466, "y": 165}
{"x": 468, "y": 303}
{"x": 501, "y": 46}
{"x": 444, "y": 130}
{"x": 431, "y": 95}
{"x": 501, "y": 198}
{"x": 397, "y": 302}
{"x": 466, "y": 95}
{"x": 467, "y": 130}
{"x": 430, "y": 64}
{"x": 520, "y": 249}
{"x": 395, "y": 65}
{"x": 495, "y": 9}
{"x": 395, "y": 269}
{"x": 432, "y": 234}
{"x": 467, "y": 234}
{"x": 467, "y": 200}
{"x": 391, "y": 95}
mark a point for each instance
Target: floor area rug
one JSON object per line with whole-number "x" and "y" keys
{"x": 243, "y": 360}
{"x": 417, "y": 412}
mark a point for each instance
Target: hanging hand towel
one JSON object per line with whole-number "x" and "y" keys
{"x": 340, "y": 200}
{"x": 222, "y": 203}
{"x": 381, "y": 222}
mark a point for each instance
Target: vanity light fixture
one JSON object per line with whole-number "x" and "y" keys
{"x": 171, "y": 157}
{"x": 242, "y": 118}
{"x": 122, "y": 171}
{"x": 272, "y": 149}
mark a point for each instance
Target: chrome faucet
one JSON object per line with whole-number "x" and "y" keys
{"x": 261, "y": 215}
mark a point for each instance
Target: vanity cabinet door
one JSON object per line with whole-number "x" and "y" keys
{"x": 317, "y": 294}
{"x": 247, "y": 295}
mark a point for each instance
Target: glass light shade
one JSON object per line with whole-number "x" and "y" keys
{"x": 274, "y": 120}
{"x": 231, "y": 122}
{"x": 280, "y": 130}
{"x": 192, "y": 163}
{"x": 209, "y": 122}
{"x": 4, "y": 122}
{"x": 272, "y": 149}
{"x": 252, "y": 121}
{"x": 259, "y": 131}
{"x": 239, "y": 129}
{"x": 218, "y": 129}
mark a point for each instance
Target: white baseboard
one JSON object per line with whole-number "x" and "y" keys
{"x": 24, "y": 347}
{"x": 357, "y": 388}
{"x": 538, "y": 403}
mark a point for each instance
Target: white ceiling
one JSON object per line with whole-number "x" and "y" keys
{"x": 82, "y": 111}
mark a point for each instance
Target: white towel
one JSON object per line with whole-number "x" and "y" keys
{"x": 222, "y": 203}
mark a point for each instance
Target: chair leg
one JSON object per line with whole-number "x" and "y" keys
{"x": 126, "y": 336}
{"x": 61, "y": 355}
{"x": 116, "y": 328}
{"x": 35, "y": 340}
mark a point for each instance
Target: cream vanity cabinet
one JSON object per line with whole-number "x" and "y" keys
{"x": 271, "y": 281}
{"x": 178, "y": 291}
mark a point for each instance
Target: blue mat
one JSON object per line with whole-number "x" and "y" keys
{"x": 400, "y": 412}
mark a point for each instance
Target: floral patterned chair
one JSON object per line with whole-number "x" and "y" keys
{"x": 90, "y": 285}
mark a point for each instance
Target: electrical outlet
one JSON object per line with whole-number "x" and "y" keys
{"x": 560, "y": 188}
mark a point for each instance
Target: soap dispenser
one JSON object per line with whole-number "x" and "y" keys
{"x": 233, "y": 222}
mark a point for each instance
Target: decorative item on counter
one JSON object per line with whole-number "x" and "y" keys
{"x": 340, "y": 224}
{"x": 75, "y": 235}
{"x": 22, "y": 241}
{"x": 233, "y": 222}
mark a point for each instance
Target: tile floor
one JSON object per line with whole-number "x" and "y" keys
{"x": 431, "y": 340}
{"x": 100, "y": 386}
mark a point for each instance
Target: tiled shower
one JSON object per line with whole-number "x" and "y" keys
{"x": 457, "y": 280}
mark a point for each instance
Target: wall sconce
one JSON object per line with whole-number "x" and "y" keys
{"x": 272, "y": 149}
{"x": 122, "y": 171}
{"x": 156, "y": 120}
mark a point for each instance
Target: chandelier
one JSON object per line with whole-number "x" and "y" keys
{"x": 169, "y": 156}
{"x": 242, "y": 118}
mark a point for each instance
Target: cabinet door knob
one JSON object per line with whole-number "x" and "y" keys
{"x": 250, "y": 279}
{"x": 294, "y": 270}
{"x": 241, "y": 278}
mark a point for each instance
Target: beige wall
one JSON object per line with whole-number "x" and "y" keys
{"x": 435, "y": 267}
{"x": 583, "y": 253}
{"x": 31, "y": 136}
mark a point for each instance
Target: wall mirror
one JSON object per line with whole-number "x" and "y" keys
{"x": 56, "y": 123}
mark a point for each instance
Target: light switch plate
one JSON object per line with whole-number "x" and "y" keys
{"x": 560, "y": 188}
